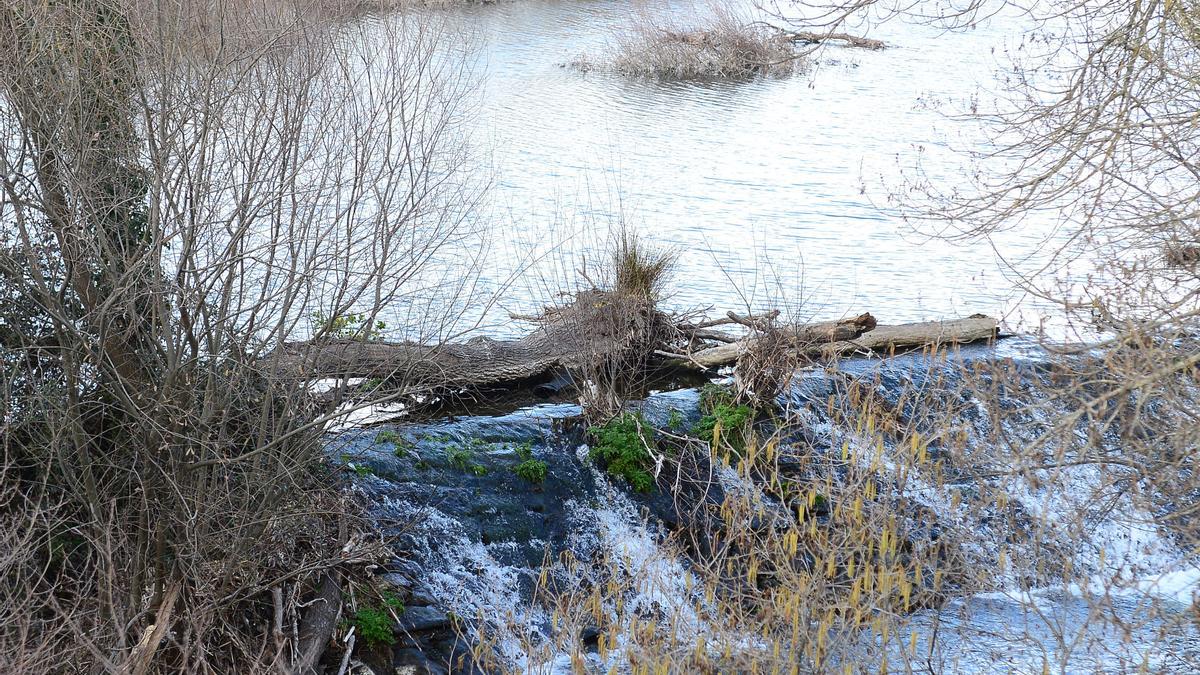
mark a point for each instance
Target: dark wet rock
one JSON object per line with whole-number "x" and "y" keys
{"x": 415, "y": 662}
{"x": 590, "y": 636}
{"x": 406, "y": 568}
{"x": 421, "y": 596}
{"x": 421, "y": 619}
{"x": 398, "y": 585}
{"x": 395, "y": 580}
{"x": 462, "y": 660}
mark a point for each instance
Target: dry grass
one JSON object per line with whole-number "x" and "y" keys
{"x": 638, "y": 269}
{"x": 626, "y": 288}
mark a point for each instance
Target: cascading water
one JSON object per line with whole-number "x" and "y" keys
{"x": 479, "y": 545}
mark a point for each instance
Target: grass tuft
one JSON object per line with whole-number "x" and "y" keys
{"x": 639, "y": 270}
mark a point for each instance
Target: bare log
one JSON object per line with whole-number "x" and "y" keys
{"x": 596, "y": 326}
{"x": 920, "y": 334}
{"x": 317, "y": 626}
{"x": 851, "y": 40}
{"x": 805, "y": 337}
{"x": 827, "y": 339}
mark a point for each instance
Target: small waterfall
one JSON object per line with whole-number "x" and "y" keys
{"x": 1068, "y": 573}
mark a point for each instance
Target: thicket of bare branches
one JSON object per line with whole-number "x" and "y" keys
{"x": 716, "y": 44}
{"x": 186, "y": 186}
{"x": 1093, "y": 137}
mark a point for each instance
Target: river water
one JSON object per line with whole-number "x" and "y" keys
{"x": 773, "y": 190}
{"x": 474, "y": 540}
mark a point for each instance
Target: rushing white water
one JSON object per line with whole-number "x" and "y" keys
{"x": 1124, "y": 605}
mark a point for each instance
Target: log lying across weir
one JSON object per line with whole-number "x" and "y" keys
{"x": 602, "y": 325}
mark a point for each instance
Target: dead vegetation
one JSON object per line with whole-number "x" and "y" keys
{"x": 165, "y": 220}
{"x": 720, "y": 46}
{"x": 717, "y": 44}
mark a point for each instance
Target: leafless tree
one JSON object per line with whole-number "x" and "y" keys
{"x": 186, "y": 188}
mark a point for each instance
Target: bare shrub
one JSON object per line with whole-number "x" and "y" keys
{"x": 183, "y": 186}
{"x": 719, "y": 45}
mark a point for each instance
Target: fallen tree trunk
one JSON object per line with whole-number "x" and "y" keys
{"x": 838, "y": 338}
{"x": 805, "y": 338}
{"x": 597, "y": 326}
{"x": 851, "y": 40}
{"x": 921, "y": 334}
{"x": 619, "y": 332}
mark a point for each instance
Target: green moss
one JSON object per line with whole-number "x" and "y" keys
{"x": 620, "y": 445}
{"x": 532, "y": 470}
{"x": 462, "y": 457}
{"x": 359, "y": 468}
{"x": 389, "y": 436}
{"x": 400, "y": 446}
{"x": 459, "y": 457}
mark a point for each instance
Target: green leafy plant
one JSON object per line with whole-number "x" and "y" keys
{"x": 724, "y": 419}
{"x": 347, "y": 326}
{"x": 373, "y": 622}
{"x": 392, "y": 602}
{"x": 623, "y": 446}
{"x": 375, "y": 626}
{"x": 675, "y": 420}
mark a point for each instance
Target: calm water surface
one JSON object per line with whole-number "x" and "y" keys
{"x": 767, "y": 187}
